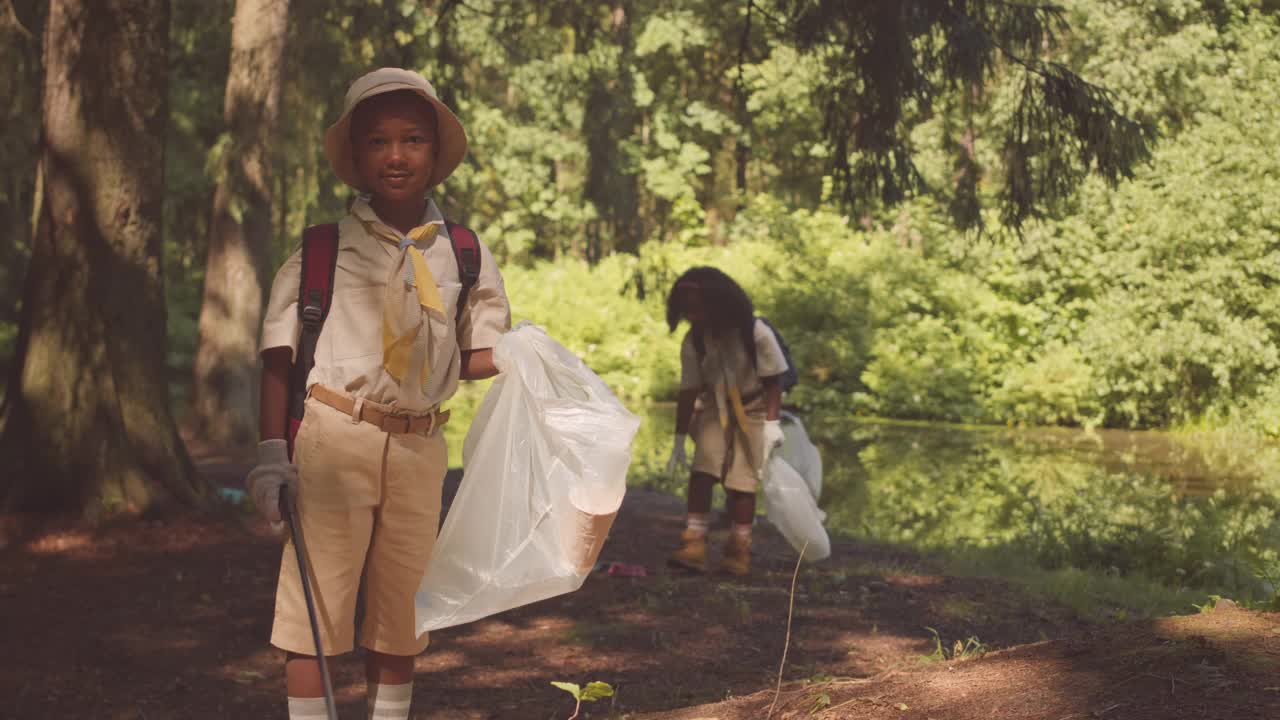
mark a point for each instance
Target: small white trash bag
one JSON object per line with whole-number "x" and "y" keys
{"x": 792, "y": 483}
{"x": 801, "y": 454}
{"x": 545, "y": 470}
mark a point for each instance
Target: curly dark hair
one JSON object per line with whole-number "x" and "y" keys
{"x": 728, "y": 308}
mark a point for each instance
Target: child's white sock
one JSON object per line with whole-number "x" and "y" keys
{"x": 307, "y": 709}
{"x": 389, "y": 702}
{"x": 698, "y": 523}
{"x": 741, "y": 532}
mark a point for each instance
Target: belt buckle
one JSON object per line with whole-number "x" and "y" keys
{"x": 408, "y": 423}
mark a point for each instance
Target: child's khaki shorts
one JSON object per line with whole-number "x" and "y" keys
{"x": 369, "y": 501}
{"x": 710, "y": 448}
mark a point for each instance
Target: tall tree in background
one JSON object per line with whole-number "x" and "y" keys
{"x": 608, "y": 120}
{"x": 21, "y": 22}
{"x": 87, "y": 426}
{"x": 224, "y": 388}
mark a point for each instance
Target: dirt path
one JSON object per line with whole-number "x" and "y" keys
{"x": 169, "y": 620}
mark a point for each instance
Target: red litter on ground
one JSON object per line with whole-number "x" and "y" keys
{"x": 617, "y": 569}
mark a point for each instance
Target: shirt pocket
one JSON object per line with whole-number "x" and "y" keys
{"x": 443, "y": 341}
{"x": 353, "y": 328}
{"x": 443, "y": 329}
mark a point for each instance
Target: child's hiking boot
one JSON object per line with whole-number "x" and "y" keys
{"x": 737, "y": 555}
{"x": 692, "y": 553}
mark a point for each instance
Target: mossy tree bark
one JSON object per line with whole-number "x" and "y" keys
{"x": 87, "y": 426}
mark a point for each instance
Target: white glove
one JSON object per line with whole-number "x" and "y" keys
{"x": 678, "y": 459}
{"x": 273, "y": 472}
{"x": 773, "y": 436}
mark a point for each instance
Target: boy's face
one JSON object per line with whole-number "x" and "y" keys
{"x": 393, "y": 139}
{"x": 694, "y": 309}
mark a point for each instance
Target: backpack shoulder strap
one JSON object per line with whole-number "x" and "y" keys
{"x": 315, "y": 296}
{"x": 466, "y": 250}
{"x": 319, "y": 262}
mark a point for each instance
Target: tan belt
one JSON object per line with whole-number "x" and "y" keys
{"x": 380, "y": 415}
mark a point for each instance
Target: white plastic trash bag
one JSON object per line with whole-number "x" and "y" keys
{"x": 545, "y": 471}
{"x": 801, "y": 454}
{"x": 791, "y": 508}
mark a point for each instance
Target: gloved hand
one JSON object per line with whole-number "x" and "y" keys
{"x": 678, "y": 459}
{"x": 773, "y": 436}
{"x": 273, "y": 472}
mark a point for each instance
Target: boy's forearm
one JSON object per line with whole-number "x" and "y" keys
{"x": 273, "y": 393}
{"x": 772, "y": 398}
{"x": 684, "y": 410}
{"x": 478, "y": 364}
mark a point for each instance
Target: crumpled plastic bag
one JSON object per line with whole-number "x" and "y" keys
{"x": 792, "y": 484}
{"x": 801, "y": 454}
{"x": 545, "y": 471}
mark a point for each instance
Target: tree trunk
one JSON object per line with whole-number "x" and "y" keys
{"x": 87, "y": 426}
{"x": 609, "y": 119}
{"x": 224, "y": 393}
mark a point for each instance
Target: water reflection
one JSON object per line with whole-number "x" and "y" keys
{"x": 1197, "y": 511}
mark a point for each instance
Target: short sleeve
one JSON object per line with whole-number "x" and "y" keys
{"x": 769, "y": 358}
{"x": 280, "y": 326}
{"x": 488, "y": 314}
{"x": 690, "y": 367}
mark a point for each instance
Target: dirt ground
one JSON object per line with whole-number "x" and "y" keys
{"x": 169, "y": 619}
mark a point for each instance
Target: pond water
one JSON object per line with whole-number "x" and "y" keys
{"x": 1199, "y": 511}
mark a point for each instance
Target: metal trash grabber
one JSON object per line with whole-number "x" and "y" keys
{"x": 300, "y": 547}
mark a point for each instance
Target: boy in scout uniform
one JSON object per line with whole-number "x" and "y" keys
{"x": 730, "y": 365}
{"x": 369, "y": 457}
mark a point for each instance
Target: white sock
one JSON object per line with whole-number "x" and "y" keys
{"x": 699, "y": 523}
{"x": 389, "y": 702}
{"x": 307, "y": 709}
{"x": 741, "y": 532}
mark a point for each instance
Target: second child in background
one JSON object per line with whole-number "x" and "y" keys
{"x": 729, "y": 403}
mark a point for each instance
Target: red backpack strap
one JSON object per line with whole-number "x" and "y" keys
{"x": 315, "y": 295}
{"x": 466, "y": 250}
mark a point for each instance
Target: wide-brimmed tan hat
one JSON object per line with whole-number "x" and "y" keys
{"x": 452, "y": 140}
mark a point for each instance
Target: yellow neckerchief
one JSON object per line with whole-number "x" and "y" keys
{"x": 398, "y": 337}
{"x": 728, "y": 396}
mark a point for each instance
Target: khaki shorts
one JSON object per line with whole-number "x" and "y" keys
{"x": 369, "y": 503}
{"x": 709, "y": 449}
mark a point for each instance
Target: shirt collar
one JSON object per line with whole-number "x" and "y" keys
{"x": 363, "y": 212}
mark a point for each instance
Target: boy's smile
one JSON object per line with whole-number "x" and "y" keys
{"x": 393, "y": 140}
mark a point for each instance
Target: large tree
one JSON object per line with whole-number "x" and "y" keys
{"x": 87, "y": 426}
{"x": 224, "y": 389}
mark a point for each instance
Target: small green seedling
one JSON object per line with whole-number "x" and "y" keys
{"x": 592, "y": 692}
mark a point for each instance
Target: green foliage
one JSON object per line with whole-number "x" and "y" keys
{"x": 894, "y": 59}
{"x": 677, "y": 134}
{"x": 593, "y": 691}
{"x": 960, "y": 650}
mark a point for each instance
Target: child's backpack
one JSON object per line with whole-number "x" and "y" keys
{"x": 791, "y": 376}
{"x": 315, "y": 295}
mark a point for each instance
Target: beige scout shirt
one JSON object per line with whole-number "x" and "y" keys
{"x": 726, "y": 361}
{"x": 349, "y": 350}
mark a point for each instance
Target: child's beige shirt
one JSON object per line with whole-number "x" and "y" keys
{"x": 725, "y": 360}
{"x": 349, "y": 350}
{"x": 724, "y": 447}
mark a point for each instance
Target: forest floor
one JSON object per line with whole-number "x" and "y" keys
{"x": 169, "y": 618}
